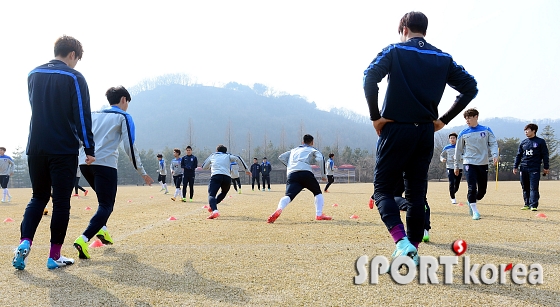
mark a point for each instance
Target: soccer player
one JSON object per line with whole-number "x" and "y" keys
{"x": 266, "y": 168}
{"x": 189, "y": 163}
{"x": 255, "y": 174}
{"x": 176, "y": 172}
{"x": 329, "y": 169}
{"x": 77, "y": 184}
{"x": 6, "y": 170}
{"x": 473, "y": 144}
{"x": 447, "y": 156}
{"x": 60, "y": 122}
{"x": 110, "y": 127}
{"x": 219, "y": 162}
{"x": 409, "y": 116}
{"x": 162, "y": 173}
{"x": 300, "y": 176}
{"x": 234, "y": 173}
{"x": 531, "y": 153}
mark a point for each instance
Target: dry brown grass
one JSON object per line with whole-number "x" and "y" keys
{"x": 240, "y": 260}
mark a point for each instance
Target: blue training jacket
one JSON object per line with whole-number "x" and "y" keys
{"x": 61, "y": 114}
{"x": 418, "y": 73}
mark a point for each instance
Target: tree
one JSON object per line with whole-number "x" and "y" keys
{"x": 508, "y": 150}
{"x": 552, "y": 143}
{"x": 437, "y": 168}
{"x": 20, "y": 178}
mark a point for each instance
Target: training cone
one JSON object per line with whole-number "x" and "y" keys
{"x": 538, "y": 215}
{"x": 129, "y": 201}
{"x": 335, "y": 205}
{"x": 96, "y": 243}
{"x": 8, "y": 220}
{"x": 353, "y": 216}
{"x": 205, "y": 207}
{"x": 151, "y": 197}
{"x": 460, "y": 204}
{"x": 88, "y": 208}
{"x": 172, "y": 218}
{"x": 370, "y": 204}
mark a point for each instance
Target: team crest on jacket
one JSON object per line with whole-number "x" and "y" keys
{"x": 482, "y": 134}
{"x": 535, "y": 145}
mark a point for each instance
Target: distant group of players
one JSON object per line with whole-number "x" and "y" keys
{"x": 64, "y": 133}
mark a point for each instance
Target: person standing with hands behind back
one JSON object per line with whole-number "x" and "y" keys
{"x": 418, "y": 74}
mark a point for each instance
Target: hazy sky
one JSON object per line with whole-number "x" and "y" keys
{"x": 316, "y": 49}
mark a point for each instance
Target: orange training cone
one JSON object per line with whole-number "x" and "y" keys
{"x": 205, "y": 207}
{"x": 96, "y": 243}
{"x": 88, "y": 208}
{"x": 370, "y": 204}
{"x": 335, "y": 205}
{"x": 538, "y": 215}
{"x": 353, "y": 216}
{"x": 460, "y": 204}
{"x": 172, "y": 218}
{"x": 8, "y": 220}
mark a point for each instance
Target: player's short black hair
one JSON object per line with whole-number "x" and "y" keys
{"x": 533, "y": 127}
{"x": 115, "y": 93}
{"x": 66, "y": 44}
{"x": 159, "y": 155}
{"x": 221, "y": 148}
{"x": 307, "y": 139}
{"x": 331, "y": 155}
{"x": 264, "y": 158}
{"x": 177, "y": 150}
{"x": 417, "y": 22}
{"x": 470, "y": 112}
{"x": 452, "y": 134}
{"x": 3, "y": 148}
{"x": 189, "y": 147}
{"x": 255, "y": 159}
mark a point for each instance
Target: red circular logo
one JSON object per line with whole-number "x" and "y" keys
{"x": 459, "y": 247}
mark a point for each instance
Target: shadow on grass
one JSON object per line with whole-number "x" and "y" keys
{"x": 126, "y": 269}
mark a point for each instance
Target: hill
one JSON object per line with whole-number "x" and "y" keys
{"x": 240, "y": 118}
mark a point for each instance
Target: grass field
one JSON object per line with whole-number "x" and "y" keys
{"x": 240, "y": 260}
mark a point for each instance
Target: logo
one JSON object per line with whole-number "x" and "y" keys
{"x": 421, "y": 43}
{"x": 482, "y": 134}
{"x": 425, "y": 272}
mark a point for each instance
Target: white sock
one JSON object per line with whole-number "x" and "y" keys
{"x": 177, "y": 192}
{"x": 161, "y": 183}
{"x": 319, "y": 204}
{"x": 453, "y": 201}
{"x": 85, "y": 238}
{"x": 5, "y": 192}
{"x": 283, "y": 203}
{"x": 104, "y": 228}
{"x": 165, "y": 187}
{"x": 473, "y": 207}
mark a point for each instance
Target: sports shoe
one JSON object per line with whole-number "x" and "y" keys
{"x": 85, "y": 192}
{"x": 274, "y": 216}
{"x": 173, "y": 198}
{"x": 470, "y": 209}
{"x": 190, "y": 200}
{"x": 184, "y": 200}
{"x": 525, "y": 208}
{"x": 82, "y": 248}
{"x": 263, "y": 189}
{"x": 269, "y": 189}
{"x": 62, "y": 261}
{"x": 326, "y": 191}
{"x": 213, "y": 215}
{"x": 453, "y": 201}
{"x": 76, "y": 195}
{"x": 9, "y": 198}
{"x": 323, "y": 217}
{"x": 371, "y": 203}
{"x": 3, "y": 200}
{"x": 239, "y": 192}
{"x": 533, "y": 209}
{"x": 405, "y": 248}
{"x": 476, "y": 216}
{"x": 426, "y": 237}
{"x": 104, "y": 236}
{"x": 20, "y": 255}
{"x": 166, "y": 192}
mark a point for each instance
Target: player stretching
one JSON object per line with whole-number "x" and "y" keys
{"x": 300, "y": 176}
